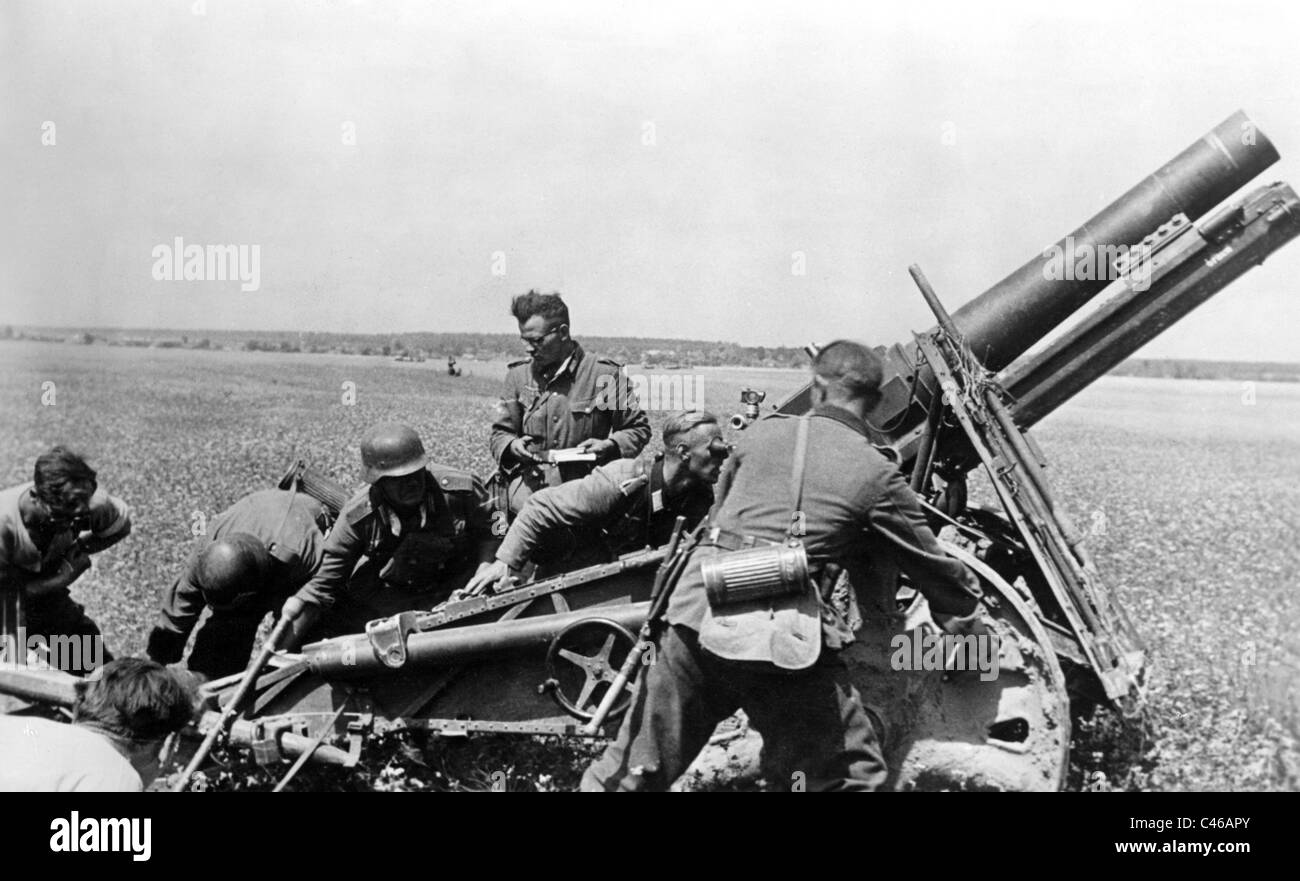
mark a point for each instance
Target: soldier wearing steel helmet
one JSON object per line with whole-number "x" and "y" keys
{"x": 419, "y": 531}
{"x": 257, "y": 554}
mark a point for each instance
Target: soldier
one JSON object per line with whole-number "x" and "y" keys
{"x": 627, "y": 504}
{"x": 260, "y": 551}
{"x": 49, "y": 528}
{"x": 418, "y": 532}
{"x": 818, "y": 480}
{"x": 561, "y": 397}
{"x": 120, "y": 723}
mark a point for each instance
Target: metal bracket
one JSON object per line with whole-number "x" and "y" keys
{"x": 266, "y": 741}
{"x": 388, "y": 637}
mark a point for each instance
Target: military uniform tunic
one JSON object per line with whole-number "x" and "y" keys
{"x": 377, "y": 564}
{"x": 22, "y": 562}
{"x": 859, "y": 513}
{"x": 585, "y": 397}
{"x": 290, "y": 526}
{"x": 617, "y": 508}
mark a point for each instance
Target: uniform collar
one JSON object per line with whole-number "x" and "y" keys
{"x": 657, "y": 484}
{"x": 568, "y": 365}
{"x": 428, "y": 508}
{"x": 844, "y": 417}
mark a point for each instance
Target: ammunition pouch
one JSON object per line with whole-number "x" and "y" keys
{"x": 418, "y": 560}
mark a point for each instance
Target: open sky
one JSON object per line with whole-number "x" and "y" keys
{"x": 408, "y": 166}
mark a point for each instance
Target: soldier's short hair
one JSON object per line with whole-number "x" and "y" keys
{"x": 135, "y": 699}
{"x": 852, "y": 366}
{"x": 549, "y": 306}
{"x": 683, "y": 423}
{"x": 61, "y": 476}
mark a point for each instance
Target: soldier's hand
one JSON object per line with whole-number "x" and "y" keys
{"x": 303, "y": 616}
{"x": 490, "y": 578}
{"x": 519, "y": 449}
{"x": 165, "y": 646}
{"x": 292, "y": 608}
{"x": 78, "y": 561}
{"x": 961, "y": 625}
{"x": 70, "y": 569}
{"x": 604, "y": 448}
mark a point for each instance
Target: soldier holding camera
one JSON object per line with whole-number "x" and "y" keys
{"x": 49, "y": 529}
{"x": 559, "y": 398}
{"x": 748, "y": 626}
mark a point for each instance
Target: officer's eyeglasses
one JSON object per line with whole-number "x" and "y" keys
{"x": 538, "y": 340}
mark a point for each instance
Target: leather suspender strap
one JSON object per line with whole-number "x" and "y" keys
{"x": 795, "y": 529}
{"x": 288, "y": 509}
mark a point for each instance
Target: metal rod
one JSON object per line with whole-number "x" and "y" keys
{"x": 315, "y": 744}
{"x": 245, "y": 685}
{"x": 658, "y": 601}
{"x": 932, "y": 300}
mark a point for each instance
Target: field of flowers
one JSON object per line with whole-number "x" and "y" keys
{"x": 1190, "y": 489}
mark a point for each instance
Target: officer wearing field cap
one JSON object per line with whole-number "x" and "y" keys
{"x": 419, "y": 531}
{"x": 622, "y": 506}
{"x": 810, "y": 491}
{"x": 560, "y": 397}
{"x": 257, "y": 554}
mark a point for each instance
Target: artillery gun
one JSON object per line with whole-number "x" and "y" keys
{"x": 959, "y": 397}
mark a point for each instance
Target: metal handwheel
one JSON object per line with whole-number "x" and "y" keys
{"x": 581, "y": 662}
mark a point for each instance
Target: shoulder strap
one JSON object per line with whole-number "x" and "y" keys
{"x": 795, "y": 529}
{"x": 288, "y": 509}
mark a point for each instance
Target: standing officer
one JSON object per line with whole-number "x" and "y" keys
{"x": 418, "y": 532}
{"x": 261, "y": 550}
{"x": 561, "y": 397}
{"x": 48, "y": 530}
{"x": 815, "y": 479}
{"x": 627, "y": 504}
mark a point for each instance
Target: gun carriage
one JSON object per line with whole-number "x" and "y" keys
{"x": 959, "y": 397}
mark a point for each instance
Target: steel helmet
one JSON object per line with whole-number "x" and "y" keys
{"x": 391, "y": 450}
{"x": 234, "y": 565}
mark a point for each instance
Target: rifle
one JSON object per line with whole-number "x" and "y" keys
{"x": 665, "y": 580}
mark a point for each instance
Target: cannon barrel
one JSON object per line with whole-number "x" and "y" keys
{"x": 1190, "y": 265}
{"x": 1016, "y": 313}
{"x": 347, "y": 657}
{"x": 39, "y": 685}
{"x": 1004, "y": 321}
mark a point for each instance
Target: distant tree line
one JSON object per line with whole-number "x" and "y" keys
{"x": 649, "y": 351}
{"x": 666, "y": 353}
{"x": 1176, "y": 368}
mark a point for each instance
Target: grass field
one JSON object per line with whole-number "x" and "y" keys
{"x": 1191, "y": 490}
